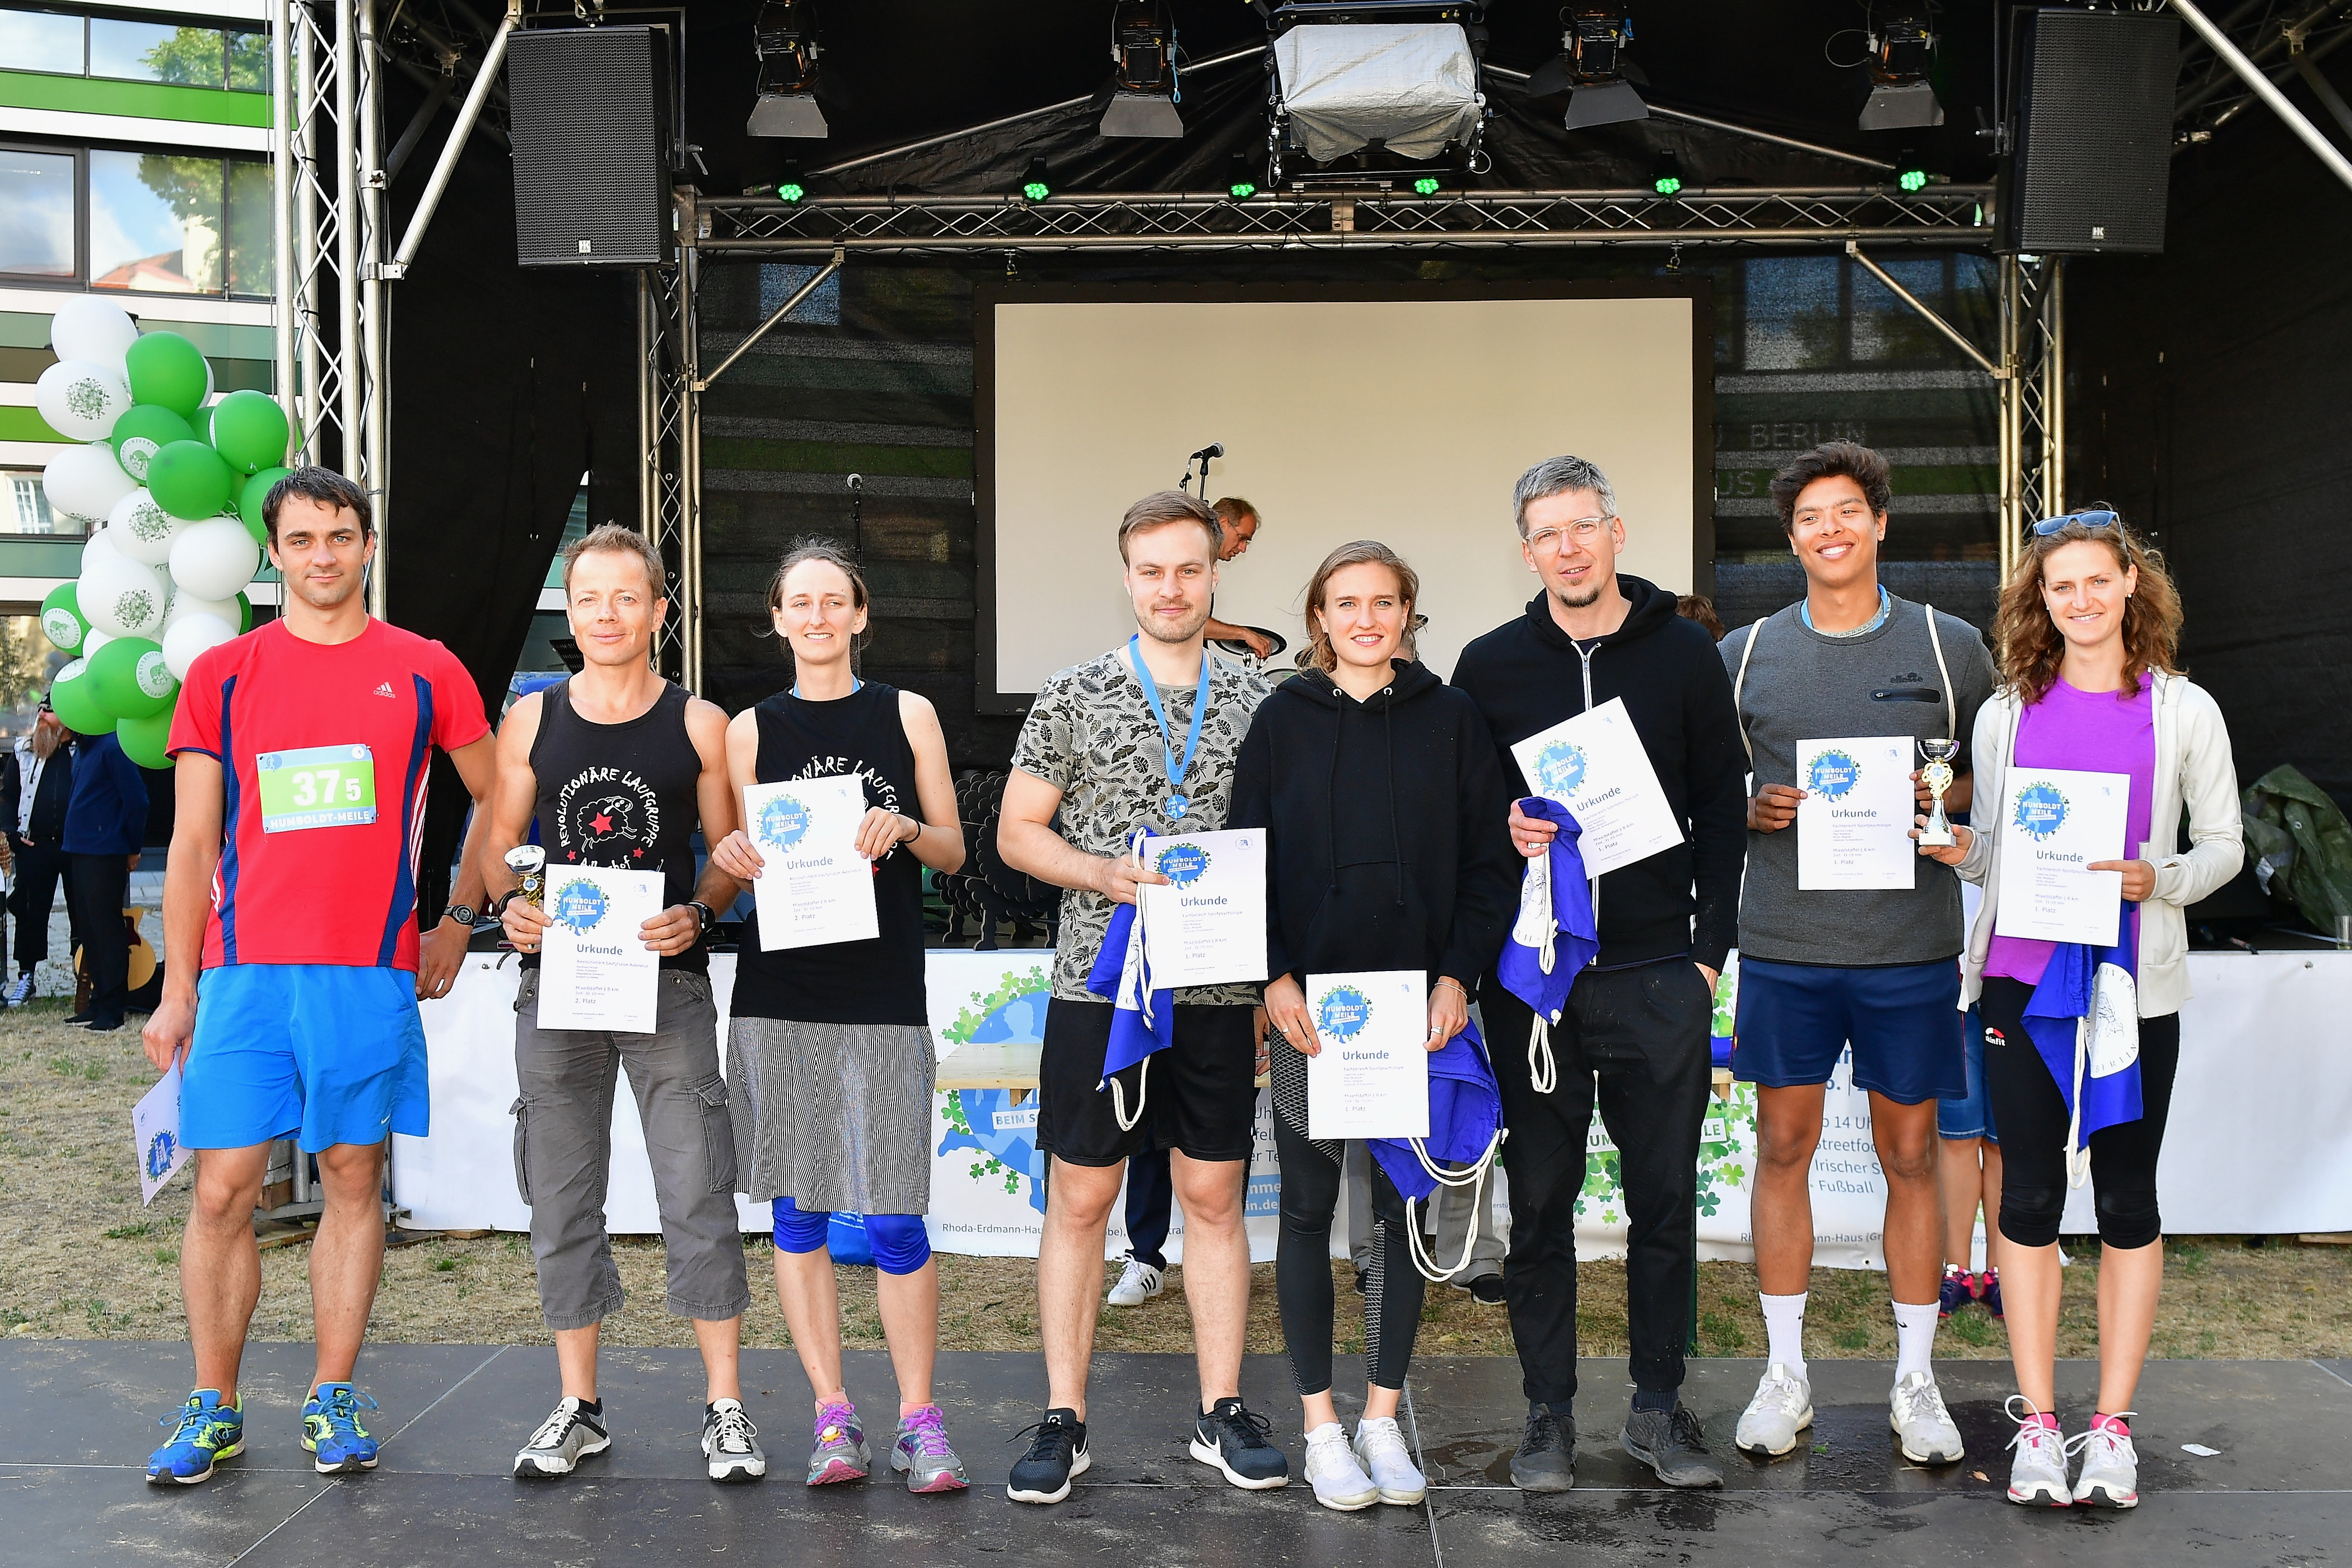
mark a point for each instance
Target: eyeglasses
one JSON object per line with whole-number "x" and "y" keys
{"x": 1547, "y": 542}
{"x": 2094, "y": 519}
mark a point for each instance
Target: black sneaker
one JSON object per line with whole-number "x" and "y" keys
{"x": 1672, "y": 1444}
{"x": 1546, "y": 1461}
{"x": 1233, "y": 1439}
{"x": 1056, "y": 1455}
{"x": 1486, "y": 1289}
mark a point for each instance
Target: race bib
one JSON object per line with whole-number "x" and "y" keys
{"x": 317, "y": 786}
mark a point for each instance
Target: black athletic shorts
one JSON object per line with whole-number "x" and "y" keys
{"x": 1200, "y": 1095}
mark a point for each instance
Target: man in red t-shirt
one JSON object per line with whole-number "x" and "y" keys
{"x": 293, "y": 965}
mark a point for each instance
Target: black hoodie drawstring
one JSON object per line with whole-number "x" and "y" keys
{"x": 1331, "y": 786}
{"x": 1396, "y": 838}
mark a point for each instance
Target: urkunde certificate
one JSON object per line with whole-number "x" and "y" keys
{"x": 596, "y": 971}
{"x": 1207, "y": 926}
{"x": 813, "y": 887}
{"x": 1372, "y": 1079}
{"x": 1853, "y": 826}
{"x": 1594, "y": 765}
{"x": 2055, "y": 822}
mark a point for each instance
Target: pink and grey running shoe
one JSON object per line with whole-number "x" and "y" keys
{"x": 840, "y": 1454}
{"x": 921, "y": 1451}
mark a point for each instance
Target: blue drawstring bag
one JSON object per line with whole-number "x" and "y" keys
{"x": 1554, "y": 936}
{"x": 1144, "y": 1017}
{"x": 1466, "y": 1136}
{"x": 845, "y": 1239}
{"x": 2083, "y": 1018}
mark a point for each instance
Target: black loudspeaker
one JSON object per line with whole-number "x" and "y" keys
{"x": 587, "y": 109}
{"x": 2090, "y": 133}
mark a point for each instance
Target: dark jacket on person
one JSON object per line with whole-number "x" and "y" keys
{"x": 109, "y": 813}
{"x": 52, "y": 788}
{"x": 1385, "y": 820}
{"x": 1527, "y": 676}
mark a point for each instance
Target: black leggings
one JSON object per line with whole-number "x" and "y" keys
{"x": 2031, "y": 1111}
{"x": 1302, "y": 1259}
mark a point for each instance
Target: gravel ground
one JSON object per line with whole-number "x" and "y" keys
{"x": 79, "y": 1259}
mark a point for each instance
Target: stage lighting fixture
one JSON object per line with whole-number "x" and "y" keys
{"x": 1426, "y": 185}
{"x": 1909, "y": 173}
{"x": 1143, "y": 72}
{"x": 1036, "y": 184}
{"x": 790, "y": 192}
{"x": 1590, "y": 68}
{"x": 1902, "y": 51}
{"x": 1668, "y": 179}
{"x": 785, "y": 36}
{"x": 1242, "y": 182}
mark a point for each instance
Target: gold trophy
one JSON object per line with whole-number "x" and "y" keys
{"x": 1938, "y": 777}
{"x": 529, "y": 863}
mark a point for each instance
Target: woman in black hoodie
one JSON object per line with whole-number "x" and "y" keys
{"x": 1383, "y": 801}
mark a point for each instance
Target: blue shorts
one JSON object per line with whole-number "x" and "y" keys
{"x": 1971, "y": 1116}
{"x": 324, "y": 1053}
{"x": 1904, "y": 1021}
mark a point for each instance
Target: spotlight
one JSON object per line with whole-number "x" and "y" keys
{"x": 1143, "y": 72}
{"x": 1036, "y": 184}
{"x": 1667, "y": 181}
{"x": 791, "y": 191}
{"x": 1590, "y": 68}
{"x": 786, "y": 38}
{"x": 1426, "y": 185}
{"x": 1242, "y": 183}
{"x": 1909, "y": 173}
{"x": 1901, "y": 52}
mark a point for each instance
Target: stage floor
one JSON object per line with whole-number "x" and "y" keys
{"x": 80, "y": 1417}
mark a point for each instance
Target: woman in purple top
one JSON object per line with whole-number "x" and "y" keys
{"x": 2089, "y": 628}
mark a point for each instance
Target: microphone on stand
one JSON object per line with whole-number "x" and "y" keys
{"x": 1214, "y": 450}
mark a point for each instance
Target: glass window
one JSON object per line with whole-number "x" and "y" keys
{"x": 27, "y": 507}
{"x": 28, "y": 664}
{"x": 248, "y": 62}
{"x": 156, "y": 51}
{"x": 1792, "y": 312}
{"x": 41, "y": 41}
{"x": 36, "y": 213}
{"x": 252, "y": 230}
{"x": 155, "y": 222}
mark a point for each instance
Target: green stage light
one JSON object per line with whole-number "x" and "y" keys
{"x": 1241, "y": 177}
{"x": 1913, "y": 179}
{"x": 791, "y": 192}
{"x": 1036, "y": 185}
{"x": 1425, "y": 186}
{"x": 1668, "y": 179}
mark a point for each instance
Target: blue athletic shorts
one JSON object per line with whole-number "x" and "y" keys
{"x": 1971, "y": 1116}
{"x": 1904, "y": 1021}
{"x": 324, "y": 1053}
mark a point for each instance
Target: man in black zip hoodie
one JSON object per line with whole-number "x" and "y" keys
{"x": 1638, "y": 1017}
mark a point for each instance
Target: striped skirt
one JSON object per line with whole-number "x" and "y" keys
{"x": 834, "y": 1116}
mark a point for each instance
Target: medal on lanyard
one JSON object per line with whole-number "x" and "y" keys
{"x": 1177, "y": 766}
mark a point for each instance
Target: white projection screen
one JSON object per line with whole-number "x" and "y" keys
{"x": 1401, "y": 413}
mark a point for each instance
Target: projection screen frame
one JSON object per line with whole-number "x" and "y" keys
{"x": 990, "y": 294}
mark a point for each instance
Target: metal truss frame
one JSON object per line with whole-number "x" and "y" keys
{"x": 669, "y": 455}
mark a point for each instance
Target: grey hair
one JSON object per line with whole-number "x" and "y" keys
{"x": 1558, "y": 476}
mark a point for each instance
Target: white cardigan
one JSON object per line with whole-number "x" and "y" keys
{"x": 2192, "y": 765}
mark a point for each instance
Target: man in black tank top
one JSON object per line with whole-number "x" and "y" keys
{"x": 619, "y": 767}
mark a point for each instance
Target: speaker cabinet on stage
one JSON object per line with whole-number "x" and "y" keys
{"x": 2090, "y": 133}
{"x": 588, "y": 107}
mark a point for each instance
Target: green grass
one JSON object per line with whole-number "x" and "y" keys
{"x": 128, "y": 1232}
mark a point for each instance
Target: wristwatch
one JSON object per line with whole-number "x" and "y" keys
{"x": 465, "y": 914}
{"x": 704, "y": 913}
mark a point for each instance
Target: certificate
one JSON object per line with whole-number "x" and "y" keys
{"x": 813, "y": 887}
{"x": 1594, "y": 765}
{"x": 155, "y": 1133}
{"x": 1853, "y": 826}
{"x": 1372, "y": 1079}
{"x": 596, "y": 971}
{"x": 1207, "y": 926}
{"x": 2054, "y": 823}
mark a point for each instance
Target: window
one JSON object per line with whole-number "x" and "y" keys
{"x": 37, "y": 214}
{"x": 28, "y": 507}
{"x": 41, "y": 41}
{"x": 160, "y": 223}
{"x": 127, "y": 50}
{"x": 155, "y": 223}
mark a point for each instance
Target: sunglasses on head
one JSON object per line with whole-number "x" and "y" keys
{"x": 2100, "y": 518}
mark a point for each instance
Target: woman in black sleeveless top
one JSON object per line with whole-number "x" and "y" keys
{"x": 829, "y": 1051}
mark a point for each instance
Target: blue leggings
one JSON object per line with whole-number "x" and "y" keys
{"x": 902, "y": 1243}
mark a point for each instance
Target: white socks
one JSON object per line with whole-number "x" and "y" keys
{"x": 1784, "y": 1329}
{"x": 1915, "y": 1339}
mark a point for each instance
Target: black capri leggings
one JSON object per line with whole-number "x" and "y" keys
{"x": 2031, "y": 1111}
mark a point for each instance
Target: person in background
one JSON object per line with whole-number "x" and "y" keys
{"x": 1236, "y": 526}
{"x": 39, "y": 777}
{"x": 1967, "y": 1167}
{"x": 1700, "y": 608}
{"x": 2089, "y": 628}
{"x": 105, "y": 824}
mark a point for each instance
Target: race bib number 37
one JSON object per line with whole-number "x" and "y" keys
{"x": 318, "y": 786}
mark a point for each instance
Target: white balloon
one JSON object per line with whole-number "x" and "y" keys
{"x": 81, "y": 398}
{"x": 214, "y": 558}
{"x": 185, "y": 603}
{"x": 99, "y": 546}
{"x": 83, "y": 483}
{"x": 120, "y": 596}
{"x": 140, "y": 528}
{"x": 88, "y": 327}
{"x": 92, "y": 640}
{"x": 190, "y": 637}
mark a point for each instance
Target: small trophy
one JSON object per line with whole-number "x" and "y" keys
{"x": 529, "y": 863}
{"x": 1938, "y": 777}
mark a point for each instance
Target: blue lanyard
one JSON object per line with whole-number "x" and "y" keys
{"x": 856, "y": 686}
{"x": 1177, "y": 766}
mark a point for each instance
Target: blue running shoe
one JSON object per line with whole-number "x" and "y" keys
{"x": 331, "y": 1430}
{"x": 204, "y": 1432}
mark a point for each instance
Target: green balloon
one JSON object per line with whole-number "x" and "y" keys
{"x": 201, "y": 423}
{"x": 189, "y": 480}
{"x": 244, "y": 609}
{"x": 129, "y": 680}
{"x": 250, "y": 430}
{"x": 62, "y": 621}
{"x": 165, "y": 368}
{"x": 144, "y": 740}
{"x": 250, "y": 501}
{"x": 76, "y": 703}
{"x": 142, "y": 432}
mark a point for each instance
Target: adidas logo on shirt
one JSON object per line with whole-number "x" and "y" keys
{"x": 385, "y": 689}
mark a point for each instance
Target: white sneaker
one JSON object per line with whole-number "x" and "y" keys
{"x": 1783, "y": 1406}
{"x": 730, "y": 1442}
{"x": 2110, "y": 1477}
{"x": 1137, "y": 1283}
{"x": 21, "y": 991}
{"x": 2037, "y": 1476}
{"x": 1332, "y": 1470}
{"x": 1915, "y": 1411}
{"x": 1380, "y": 1448}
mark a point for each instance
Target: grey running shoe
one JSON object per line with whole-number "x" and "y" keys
{"x": 1137, "y": 1283}
{"x": 2037, "y": 1476}
{"x": 921, "y": 1451}
{"x": 2110, "y": 1475}
{"x": 1915, "y": 1411}
{"x": 567, "y": 1436}
{"x": 1386, "y": 1458}
{"x": 1783, "y": 1406}
{"x": 1672, "y": 1444}
{"x": 1546, "y": 1460}
{"x": 1334, "y": 1472}
{"x": 730, "y": 1442}
{"x": 840, "y": 1454}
